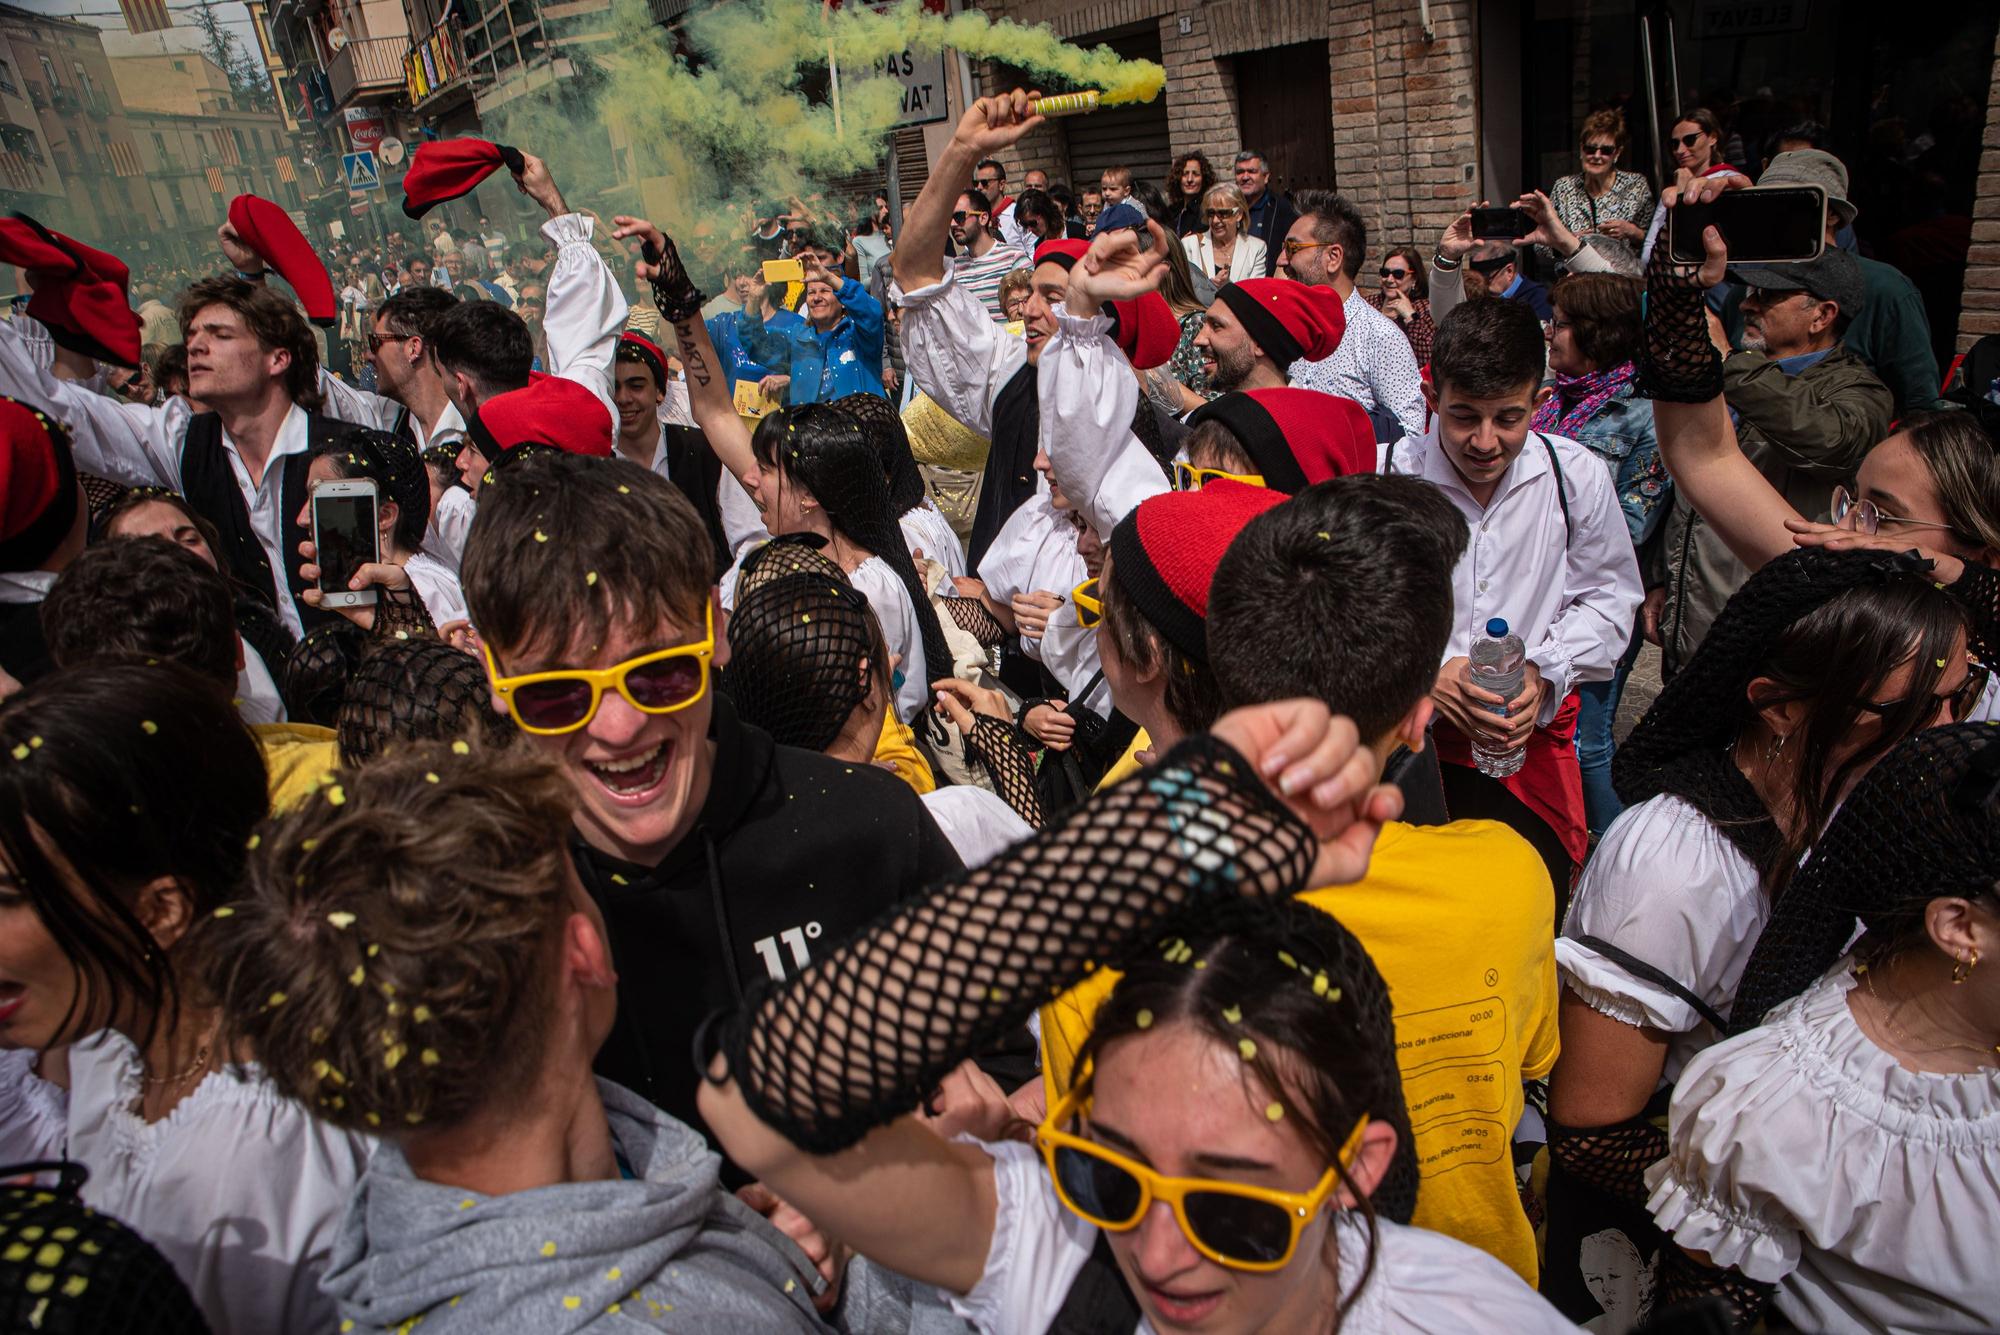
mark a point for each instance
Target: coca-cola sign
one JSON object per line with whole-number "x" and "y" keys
{"x": 366, "y": 127}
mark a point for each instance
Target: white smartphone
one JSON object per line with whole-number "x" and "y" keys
{"x": 345, "y": 538}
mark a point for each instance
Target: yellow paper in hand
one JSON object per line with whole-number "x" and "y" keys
{"x": 752, "y": 402}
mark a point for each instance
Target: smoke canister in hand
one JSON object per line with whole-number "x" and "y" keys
{"x": 1068, "y": 104}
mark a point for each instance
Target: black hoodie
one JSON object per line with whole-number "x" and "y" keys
{"x": 794, "y": 851}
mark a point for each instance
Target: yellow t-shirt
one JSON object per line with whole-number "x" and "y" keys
{"x": 297, "y": 758}
{"x": 1460, "y": 920}
{"x": 1128, "y": 764}
{"x": 897, "y": 748}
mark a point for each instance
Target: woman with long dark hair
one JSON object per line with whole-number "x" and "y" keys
{"x": 128, "y": 796}
{"x": 925, "y": 529}
{"x": 1830, "y": 1164}
{"x": 1187, "y": 185}
{"x": 1237, "y": 1140}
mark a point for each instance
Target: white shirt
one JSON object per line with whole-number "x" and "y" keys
{"x": 1373, "y": 365}
{"x": 979, "y": 825}
{"x": 437, "y": 584}
{"x": 444, "y": 537}
{"x": 239, "y": 1187}
{"x": 658, "y": 463}
{"x": 743, "y": 528}
{"x": 1246, "y": 261}
{"x": 954, "y": 351}
{"x": 890, "y": 599}
{"x": 926, "y": 529}
{"x": 1036, "y": 549}
{"x": 1088, "y": 396}
{"x": 1667, "y": 887}
{"x": 1802, "y": 1154}
{"x": 1422, "y": 1281}
{"x": 257, "y": 697}
{"x": 1008, "y": 221}
{"x": 1569, "y": 590}
{"x": 26, "y": 586}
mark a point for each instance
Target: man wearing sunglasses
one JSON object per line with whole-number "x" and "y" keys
{"x": 983, "y": 258}
{"x": 1806, "y": 410}
{"x": 717, "y": 857}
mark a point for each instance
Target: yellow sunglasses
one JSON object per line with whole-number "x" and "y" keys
{"x": 1189, "y": 478}
{"x": 1231, "y": 1223}
{"x": 1089, "y": 603}
{"x": 549, "y": 704}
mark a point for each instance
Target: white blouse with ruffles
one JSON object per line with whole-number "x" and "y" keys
{"x": 1804, "y": 1155}
{"x": 239, "y": 1188}
{"x": 1666, "y": 886}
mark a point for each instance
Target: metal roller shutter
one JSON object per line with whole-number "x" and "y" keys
{"x": 1133, "y": 136}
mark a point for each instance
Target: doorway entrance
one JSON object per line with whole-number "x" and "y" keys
{"x": 1284, "y": 97}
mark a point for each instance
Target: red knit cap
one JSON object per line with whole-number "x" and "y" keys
{"x": 1296, "y": 437}
{"x": 80, "y": 291}
{"x": 270, "y": 231}
{"x": 37, "y": 487}
{"x": 443, "y": 169}
{"x": 1290, "y": 321}
{"x": 551, "y": 411}
{"x": 649, "y": 352}
{"x": 1164, "y": 554}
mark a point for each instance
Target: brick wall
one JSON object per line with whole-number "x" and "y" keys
{"x": 1405, "y": 118}
{"x": 1981, "y": 312}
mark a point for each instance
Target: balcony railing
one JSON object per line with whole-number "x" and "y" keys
{"x": 367, "y": 69}
{"x": 434, "y": 71}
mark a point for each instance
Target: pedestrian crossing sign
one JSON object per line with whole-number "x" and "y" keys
{"x": 361, "y": 172}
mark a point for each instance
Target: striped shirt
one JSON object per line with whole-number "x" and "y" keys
{"x": 981, "y": 277}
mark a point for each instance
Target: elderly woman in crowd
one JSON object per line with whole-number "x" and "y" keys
{"x": 1607, "y": 207}
{"x": 1226, "y": 252}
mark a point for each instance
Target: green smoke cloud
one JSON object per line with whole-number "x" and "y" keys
{"x": 710, "y": 140}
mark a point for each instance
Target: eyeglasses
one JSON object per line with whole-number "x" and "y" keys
{"x": 961, "y": 215}
{"x": 1189, "y": 478}
{"x": 550, "y": 704}
{"x": 375, "y": 340}
{"x": 1690, "y": 140}
{"x": 1222, "y": 213}
{"x": 1963, "y": 700}
{"x": 1869, "y": 517}
{"x": 1604, "y": 150}
{"x": 1394, "y": 273}
{"x": 1089, "y": 603}
{"x": 985, "y": 182}
{"x": 1233, "y": 1224}
{"x": 1291, "y": 247}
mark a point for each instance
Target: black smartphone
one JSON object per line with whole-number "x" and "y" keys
{"x": 1509, "y": 224}
{"x": 1773, "y": 224}
{"x": 344, "y": 539}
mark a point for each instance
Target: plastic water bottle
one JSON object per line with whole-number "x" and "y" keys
{"x": 1495, "y": 665}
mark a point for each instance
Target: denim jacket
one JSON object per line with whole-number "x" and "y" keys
{"x": 1622, "y": 435}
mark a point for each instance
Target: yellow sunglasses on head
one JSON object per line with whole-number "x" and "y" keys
{"x": 1089, "y": 603}
{"x": 1189, "y": 478}
{"x": 1233, "y": 1224}
{"x": 549, "y": 704}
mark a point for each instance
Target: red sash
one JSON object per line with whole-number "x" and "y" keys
{"x": 1549, "y": 781}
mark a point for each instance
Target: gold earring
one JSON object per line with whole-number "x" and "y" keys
{"x": 1962, "y": 969}
{"x": 1776, "y": 749}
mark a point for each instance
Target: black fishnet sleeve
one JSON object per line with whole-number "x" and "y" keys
{"x": 1978, "y": 592}
{"x": 1677, "y": 361}
{"x": 1612, "y": 1159}
{"x": 1006, "y": 750}
{"x": 973, "y": 618}
{"x": 673, "y": 291}
{"x": 1684, "y": 1279}
{"x": 859, "y": 1038}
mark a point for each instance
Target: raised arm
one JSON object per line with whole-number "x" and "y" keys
{"x": 809, "y": 1067}
{"x": 127, "y": 442}
{"x": 1680, "y": 370}
{"x": 708, "y": 388}
{"x": 583, "y": 311}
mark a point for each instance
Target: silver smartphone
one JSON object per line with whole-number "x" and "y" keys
{"x": 345, "y": 538}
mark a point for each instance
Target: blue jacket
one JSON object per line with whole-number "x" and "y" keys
{"x": 1622, "y": 435}
{"x": 750, "y": 348}
{"x": 846, "y": 359}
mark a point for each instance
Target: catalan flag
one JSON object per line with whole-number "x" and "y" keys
{"x": 215, "y": 179}
{"x": 146, "y": 15}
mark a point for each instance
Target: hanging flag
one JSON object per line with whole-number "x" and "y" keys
{"x": 146, "y": 15}
{"x": 215, "y": 179}
{"x": 286, "y": 172}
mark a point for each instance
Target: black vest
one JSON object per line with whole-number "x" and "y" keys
{"x": 23, "y": 651}
{"x": 209, "y": 484}
{"x": 697, "y": 471}
{"x": 1010, "y": 461}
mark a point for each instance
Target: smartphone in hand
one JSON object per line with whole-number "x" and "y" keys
{"x": 1772, "y": 224}
{"x": 1508, "y": 224}
{"x": 345, "y": 538}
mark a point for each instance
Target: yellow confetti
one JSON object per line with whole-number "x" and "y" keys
{"x": 1145, "y": 1019}
{"x": 548, "y": 1249}
{"x": 466, "y": 1204}
{"x": 430, "y": 1057}
{"x": 791, "y": 1284}
{"x": 1274, "y": 1111}
{"x": 225, "y": 912}
{"x": 1319, "y": 983}
{"x": 336, "y": 795}
{"x": 614, "y": 1274}
{"x": 1286, "y": 960}
{"x": 318, "y": 1034}
{"x": 413, "y": 1118}
{"x": 373, "y": 950}
{"x": 346, "y": 1326}
{"x": 1246, "y": 1048}
{"x": 343, "y": 919}
{"x": 616, "y": 879}
{"x": 255, "y": 840}
{"x": 624, "y": 490}
{"x": 459, "y": 748}
{"x": 1940, "y": 662}
{"x": 1333, "y": 994}
{"x": 35, "y": 743}
{"x": 395, "y": 1009}
{"x": 430, "y": 777}
{"x": 150, "y": 726}
{"x": 374, "y": 1119}
{"x": 541, "y": 536}
{"x": 1233, "y": 1014}
{"x": 590, "y": 579}
{"x": 21, "y": 751}
{"x": 422, "y": 1015}
{"x": 572, "y": 1303}
{"x": 277, "y": 1000}
{"x": 357, "y": 976}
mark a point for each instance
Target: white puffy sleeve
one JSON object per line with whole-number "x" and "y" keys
{"x": 1038, "y": 1249}
{"x": 954, "y": 351}
{"x": 34, "y": 1114}
{"x": 1088, "y": 396}
{"x": 585, "y": 309}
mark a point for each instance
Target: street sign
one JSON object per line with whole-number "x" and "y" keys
{"x": 391, "y": 152}
{"x": 361, "y": 172}
{"x": 922, "y": 78}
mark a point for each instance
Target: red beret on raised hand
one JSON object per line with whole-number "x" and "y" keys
{"x": 1296, "y": 437}
{"x": 444, "y": 169}
{"x": 270, "y": 231}
{"x": 79, "y": 290}
{"x": 551, "y": 411}
{"x": 1290, "y": 321}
